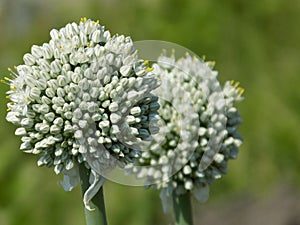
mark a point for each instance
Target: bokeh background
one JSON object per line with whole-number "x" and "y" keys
{"x": 254, "y": 42}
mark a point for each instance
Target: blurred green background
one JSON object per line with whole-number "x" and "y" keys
{"x": 254, "y": 42}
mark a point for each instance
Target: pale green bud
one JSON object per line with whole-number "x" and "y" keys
{"x": 29, "y": 59}
{"x": 20, "y": 131}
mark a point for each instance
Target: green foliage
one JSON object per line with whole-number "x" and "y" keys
{"x": 254, "y": 42}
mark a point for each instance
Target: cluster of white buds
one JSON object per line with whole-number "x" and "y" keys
{"x": 199, "y": 133}
{"x": 84, "y": 97}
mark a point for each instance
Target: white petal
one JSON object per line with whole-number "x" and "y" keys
{"x": 201, "y": 194}
{"x": 166, "y": 200}
{"x": 124, "y": 70}
{"x": 71, "y": 178}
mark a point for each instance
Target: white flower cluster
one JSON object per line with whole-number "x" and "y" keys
{"x": 200, "y": 130}
{"x": 84, "y": 97}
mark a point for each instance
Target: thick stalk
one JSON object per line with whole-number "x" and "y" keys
{"x": 182, "y": 209}
{"x": 97, "y": 216}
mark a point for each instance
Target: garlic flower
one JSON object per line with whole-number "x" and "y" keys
{"x": 84, "y": 97}
{"x": 199, "y": 131}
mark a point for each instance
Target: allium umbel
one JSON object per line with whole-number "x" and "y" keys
{"x": 199, "y": 131}
{"x": 84, "y": 97}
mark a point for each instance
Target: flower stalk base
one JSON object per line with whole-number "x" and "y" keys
{"x": 98, "y": 215}
{"x": 182, "y": 209}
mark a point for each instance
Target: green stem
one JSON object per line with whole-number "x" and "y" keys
{"x": 182, "y": 209}
{"x": 98, "y": 215}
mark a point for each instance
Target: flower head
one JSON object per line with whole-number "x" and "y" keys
{"x": 199, "y": 131}
{"x": 83, "y": 97}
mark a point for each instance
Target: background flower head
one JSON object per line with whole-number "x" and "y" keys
{"x": 199, "y": 131}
